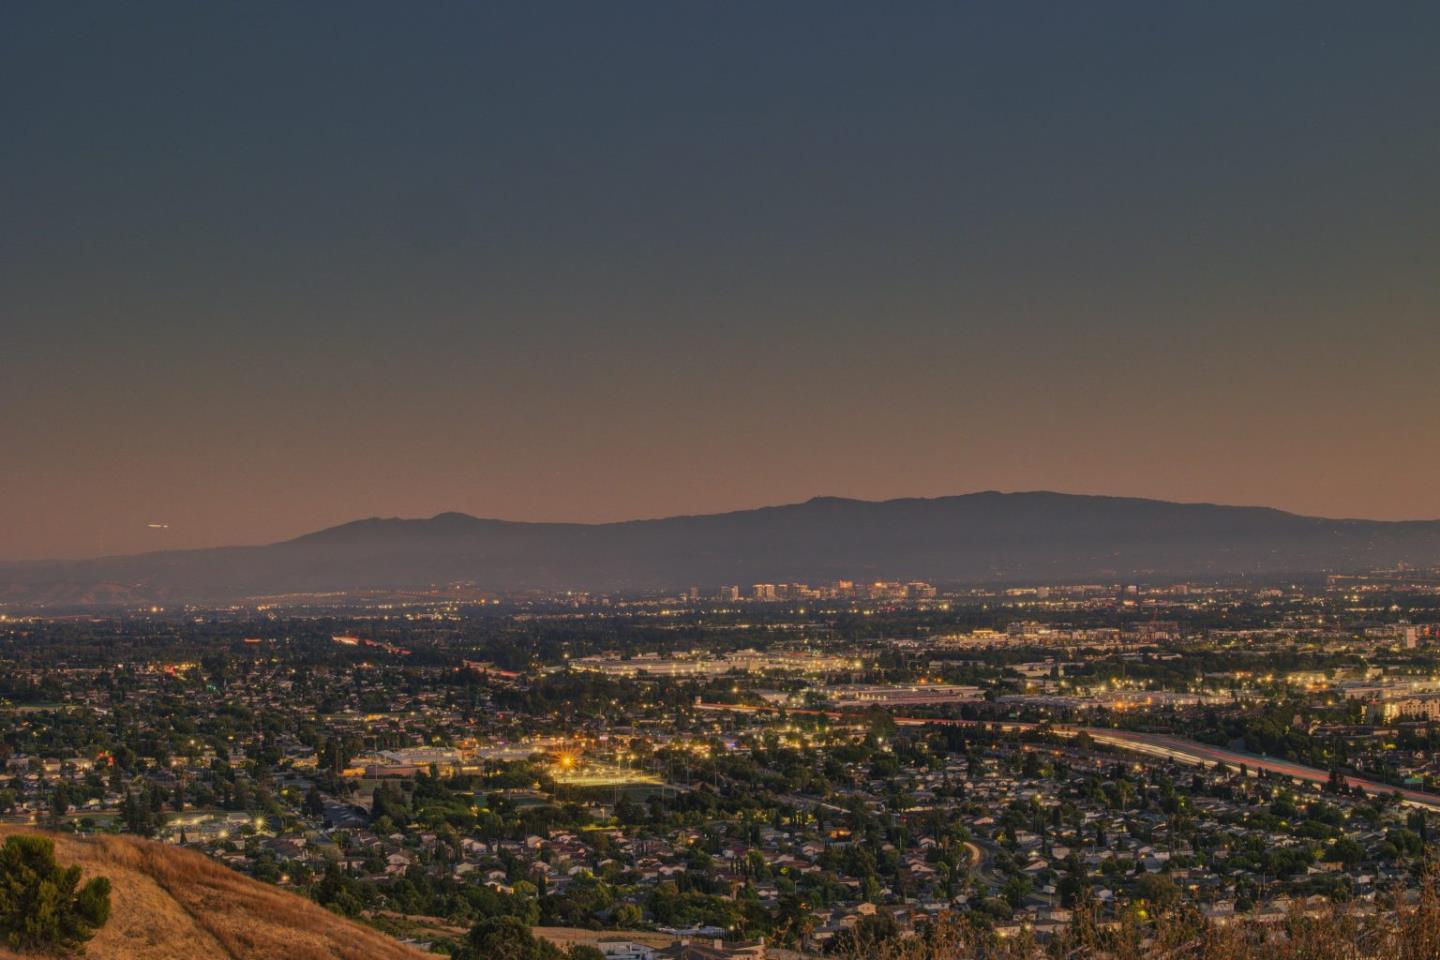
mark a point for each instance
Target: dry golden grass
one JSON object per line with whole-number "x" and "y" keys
{"x": 174, "y": 904}
{"x": 567, "y": 937}
{"x": 1406, "y": 929}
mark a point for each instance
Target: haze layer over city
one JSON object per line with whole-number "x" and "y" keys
{"x": 688, "y": 481}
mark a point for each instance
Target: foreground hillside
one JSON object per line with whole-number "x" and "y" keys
{"x": 174, "y": 904}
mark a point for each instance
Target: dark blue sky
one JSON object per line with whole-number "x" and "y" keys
{"x": 266, "y": 267}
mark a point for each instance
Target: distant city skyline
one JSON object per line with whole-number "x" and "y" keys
{"x": 266, "y": 269}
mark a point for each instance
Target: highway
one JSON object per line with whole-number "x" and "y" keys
{"x": 1191, "y": 751}
{"x": 1179, "y": 749}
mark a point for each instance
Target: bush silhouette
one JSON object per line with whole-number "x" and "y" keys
{"x": 40, "y": 907}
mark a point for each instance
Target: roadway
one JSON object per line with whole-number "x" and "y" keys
{"x": 1191, "y": 751}
{"x": 1179, "y": 749}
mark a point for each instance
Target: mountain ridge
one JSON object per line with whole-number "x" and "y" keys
{"x": 987, "y": 536}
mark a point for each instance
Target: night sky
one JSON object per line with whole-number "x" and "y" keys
{"x": 270, "y": 267}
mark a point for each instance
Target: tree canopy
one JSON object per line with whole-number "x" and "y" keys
{"x": 42, "y": 905}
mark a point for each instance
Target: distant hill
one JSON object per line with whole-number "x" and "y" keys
{"x": 168, "y": 903}
{"x": 971, "y": 538}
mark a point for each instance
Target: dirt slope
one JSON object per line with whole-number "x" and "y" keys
{"x": 173, "y": 904}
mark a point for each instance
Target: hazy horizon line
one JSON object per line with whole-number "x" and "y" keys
{"x": 680, "y": 516}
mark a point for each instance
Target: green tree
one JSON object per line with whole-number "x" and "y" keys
{"x": 40, "y": 905}
{"x": 506, "y": 938}
{"x": 1157, "y": 890}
